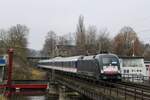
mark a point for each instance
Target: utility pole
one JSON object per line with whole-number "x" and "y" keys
{"x": 10, "y": 64}
{"x": 133, "y": 54}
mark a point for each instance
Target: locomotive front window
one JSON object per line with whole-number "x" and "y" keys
{"x": 110, "y": 60}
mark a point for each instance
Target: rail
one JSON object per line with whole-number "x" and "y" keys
{"x": 29, "y": 81}
{"x": 102, "y": 89}
{"x": 136, "y": 78}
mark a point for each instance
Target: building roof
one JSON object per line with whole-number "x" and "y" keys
{"x": 131, "y": 57}
{"x": 146, "y": 61}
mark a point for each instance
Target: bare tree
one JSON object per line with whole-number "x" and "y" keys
{"x": 103, "y": 41}
{"x": 62, "y": 40}
{"x": 3, "y": 41}
{"x": 147, "y": 52}
{"x": 80, "y": 36}
{"x": 71, "y": 38}
{"x": 118, "y": 45}
{"x": 17, "y": 39}
{"x": 91, "y": 40}
{"x": 127, "y": 43}
{"x": 50, "y": 44}
{"x": 91, "y": 35}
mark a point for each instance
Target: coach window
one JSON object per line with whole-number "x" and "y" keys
{"x": 147, "y": 68}
{"x": 58, "y": 63}
{"x": 45, "y": 63}
{"x": 75, "y": 64}
{"x": 71, "y": 64}
{"x": 67, "y": 64}
{"x": 64, "y": 64}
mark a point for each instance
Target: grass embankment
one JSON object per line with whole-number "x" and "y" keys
{"x": 2, "y": 97}
{"x": 38, "y": 74}
{"x": 24, "y": 71}
{"x": 28, "y": 73}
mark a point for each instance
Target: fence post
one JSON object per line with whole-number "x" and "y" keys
{"x": 110, "y": 87}
{"x": 134, "y": 93}
{"x": 117, "y": 91}
{"x": 142, "y": 95}
{"x": 125, "y": 91}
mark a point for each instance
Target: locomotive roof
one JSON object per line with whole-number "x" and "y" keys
{"x": 94, "y": 56}
{"x": 106, "y": 54}
{"x": 131, "y": 57}
{"x": 88, "y": 57}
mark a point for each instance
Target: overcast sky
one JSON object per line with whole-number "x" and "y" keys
{"x": 61, "y": 16}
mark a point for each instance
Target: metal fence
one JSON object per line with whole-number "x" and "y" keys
{"x": 136, "y": 78}
{"x": 28, "y": 97}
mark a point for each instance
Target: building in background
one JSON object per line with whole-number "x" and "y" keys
{"x": 147, "y": 64}
{"x": 3, "y": 62}
{"x": 133, "y": 65}
{"x": 133, "y": 68}
{"x": 65, "y": 50}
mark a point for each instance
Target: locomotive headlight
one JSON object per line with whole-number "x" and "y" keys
{"x": 119, "y": 71}
{"x": 119, "y": 77}
{"x": 104, "y": 67}
{"x": 104, "y": 77}
{"x": 102, "y": 71}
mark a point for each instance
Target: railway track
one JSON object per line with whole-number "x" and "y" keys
{"x": 122, "y": 90}
{"x": 134, "y": 90}
{"x": 86, "y": 88}
{"x": 136, "y": 85}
